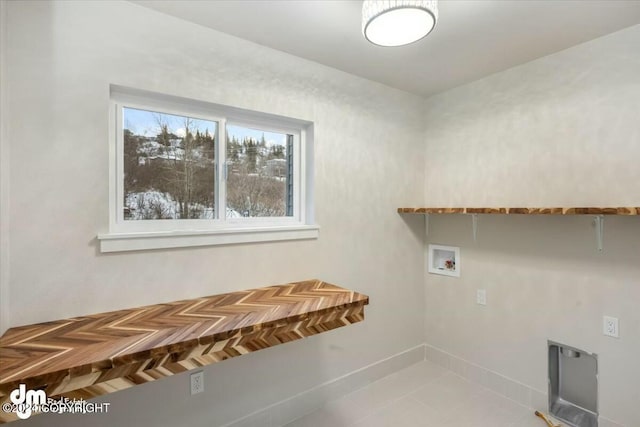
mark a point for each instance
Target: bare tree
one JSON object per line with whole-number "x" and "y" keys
{"x": 254, "y": 194}
{"x": 179, "y": 162}
{"x": 150, "y": 206}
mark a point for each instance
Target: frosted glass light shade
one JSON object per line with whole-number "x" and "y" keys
{"x": 398, "y": 22}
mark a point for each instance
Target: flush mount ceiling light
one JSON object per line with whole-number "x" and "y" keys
{"x": 398, "y": 22}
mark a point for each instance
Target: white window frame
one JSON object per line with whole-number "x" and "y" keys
{"x": 127, "y": 235}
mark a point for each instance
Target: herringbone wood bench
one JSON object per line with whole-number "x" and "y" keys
{"x": 88, "y": 356}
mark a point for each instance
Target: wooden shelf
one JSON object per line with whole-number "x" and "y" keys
{"x": 597, "y": 212}
{"x": 527, "y": 211}
{"x": 88, "y": 356}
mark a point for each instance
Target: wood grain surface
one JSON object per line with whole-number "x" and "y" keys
{"x": 527, "y": 211}
{"x": 88, "y": 356}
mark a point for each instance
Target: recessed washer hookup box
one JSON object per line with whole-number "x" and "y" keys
{"x": 573, "y": 385}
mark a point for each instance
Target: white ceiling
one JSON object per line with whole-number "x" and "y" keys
{"x": 471, "y": 40}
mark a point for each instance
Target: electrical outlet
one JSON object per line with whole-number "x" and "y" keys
{"x": 197, "y": 382}
{"x": 610, "y": 326}
{"x": 481, "y": 297}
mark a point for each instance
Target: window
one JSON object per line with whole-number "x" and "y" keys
{"x": 260, "y": 173}
{"x": 190, "y": 173}
{"x": 169, "y": 166}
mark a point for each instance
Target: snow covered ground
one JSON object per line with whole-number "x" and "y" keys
{"x": 155, "y": 204}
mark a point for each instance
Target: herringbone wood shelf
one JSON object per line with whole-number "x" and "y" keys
{"x": 88, "y": 356}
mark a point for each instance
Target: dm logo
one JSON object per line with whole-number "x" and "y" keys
{"x": 25, "y": 400}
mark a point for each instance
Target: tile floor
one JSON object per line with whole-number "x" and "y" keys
{"x": 422, "y": 395}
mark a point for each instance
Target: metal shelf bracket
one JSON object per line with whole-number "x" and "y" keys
{"x": 598, "y": 222}
{"x": 474, "y": 223}
{"x": 426, "y": 225}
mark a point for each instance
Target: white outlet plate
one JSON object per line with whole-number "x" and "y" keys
{"x": 481, "y": 296}
{"x": 610, "y": 326}
{"x": 197, "y": 382}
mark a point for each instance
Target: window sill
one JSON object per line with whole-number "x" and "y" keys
{"x": 122, "y": 242}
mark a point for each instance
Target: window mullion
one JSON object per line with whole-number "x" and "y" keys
{"x": 221, "y": 178}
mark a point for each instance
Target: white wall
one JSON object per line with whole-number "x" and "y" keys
{"x": 4, "y": 177}
{"x": 559, "y": 131}
{"x": 61, "y": 58}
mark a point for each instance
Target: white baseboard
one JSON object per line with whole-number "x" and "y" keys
{"x": 290, "y": 409}
{"x": 507, "y": 387}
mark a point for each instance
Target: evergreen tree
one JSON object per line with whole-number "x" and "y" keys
{"x": 251, "y": 150}
{"x": 276, "y": 152}
{"x": 233, "y": 150}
